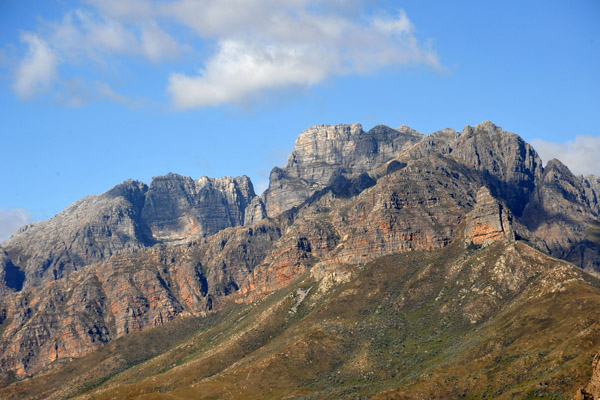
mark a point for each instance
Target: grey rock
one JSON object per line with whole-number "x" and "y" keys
{"x": 509, "y": 165}
{"x": 179, "y": 207}
{"x": 562, "y": 212}
{"x": 87, "y": 231}
{"x": 129, "y": 217}
{"x": 255, "y": 211}
{"x": 323, "y": 152}
{"x": 591, "y": 186}
{"x": 489, "y": 220}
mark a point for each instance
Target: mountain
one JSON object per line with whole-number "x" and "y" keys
{"x": 128, "y": 217}
{"x": 386, "y": 263}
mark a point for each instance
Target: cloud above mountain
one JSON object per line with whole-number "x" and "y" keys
{"x": 580, "y": 154}
{"x": 213, "y": 52}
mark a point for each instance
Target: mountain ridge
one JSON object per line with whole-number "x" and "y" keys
{"x": 147, "y": 255}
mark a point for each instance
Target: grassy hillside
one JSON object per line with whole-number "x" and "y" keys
{"x": 505, "y": 321}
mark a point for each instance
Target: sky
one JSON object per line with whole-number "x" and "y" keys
{"x": 94, "y": 92}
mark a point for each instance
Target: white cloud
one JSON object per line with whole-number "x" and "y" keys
{"x": 286, "y": 46}
{"x": 37, "y": 70}
{"x": 11, "y": 220}
{"x": 260, "y": 45}
{"x": 580, "y": 155}
{"x": 156, "y": 44}
{"x": 130, "y": 10}
{"x": 82, "y": 35}
{"x": 240, "y": 69}
{"x": 75, "y": 92}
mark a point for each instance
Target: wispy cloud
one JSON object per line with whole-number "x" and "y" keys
{"x": 37, "y": 70}
{"x": 278, "y": 45}
{"x": 259, "y": 46}
{"x": 580, "y": 155}
{"x": 11, "y": 220}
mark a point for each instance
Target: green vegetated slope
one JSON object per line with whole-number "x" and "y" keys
{"x": 504, "y": 321}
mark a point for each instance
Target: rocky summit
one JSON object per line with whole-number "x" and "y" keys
{"x": 378, "y": 264}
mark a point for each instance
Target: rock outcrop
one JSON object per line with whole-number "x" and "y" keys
{"x": 127, "y": 218}
{"x": 178, "y": 207}
{"x": 592, "y": 390}
{"x": 562, "y": 212}
{"x": 86, "y": 232}
{"x": 489, "y": 221}
{"x": 510, "y": 167}
{"x": 323, "y": 152}
{"x": 138, "y": 256}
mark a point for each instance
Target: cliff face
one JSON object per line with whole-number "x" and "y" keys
{"x": 489, "y": 221}
{"x": 138, "y": 256}
{"x": 592, "y": 390}
{"x": 85, "y": 232}
{"x": 128, "y": 218}
{"x": 178, "y": 207}
{"x": 510, "y": 167}
{"x": 323, "y": 152}
{"x": 563, "y": 213}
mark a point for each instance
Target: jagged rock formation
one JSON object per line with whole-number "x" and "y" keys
{"x": 139, "y": 256}
{"x": 322, "y": 153}
{"x": 126, "y": 293}
{"x": 563, "y": 213}
{"x": 127, "y": 218}
{"x": 87, "y": 231}
{"x": 178, "y": 207}
{"x": 510, "y": 167}
{"x": 489, "y": 221}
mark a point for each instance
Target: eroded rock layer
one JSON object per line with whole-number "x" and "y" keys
{"x": 139, "y": 256}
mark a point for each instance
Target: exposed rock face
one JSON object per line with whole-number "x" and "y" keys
{"x": 510, "y": 166}
{"x": 71, "y": 317}
{"x": 126, "y": 293}
{"x": 591, "y": 186}
{"x": 562, "y": 212}
{"x": 127, "y": 218}
{"x": 417, "y": 207}
{"x": 592, "y": 390}
{"x": 178, "y": 207}
{"x": 255, "y": 211}
{"x": 323, "y": 152}
{"x": 345, "y": 197}
{"x": 489, "y": 221}
{"x": 85, "y": 232}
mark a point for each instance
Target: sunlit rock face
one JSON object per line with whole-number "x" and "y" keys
{"x": 489, "y": 221}
{"x": 179, "y": 207}
{"x": 139, "y": 256}
{"x": 323, "y": 152}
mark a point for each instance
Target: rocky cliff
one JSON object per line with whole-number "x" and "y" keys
{"x": 510, "y": 167}
{"x": 178, "y": 207}
{"x": 127, "y": 218}
{"x": 563, "y": 213}
{"x": 324, "y": 152}
{"x": 488, "y": 221}
{"x": 88, "y": 231}
{"x": 139, "y": 256}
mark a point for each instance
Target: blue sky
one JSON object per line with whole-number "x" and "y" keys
{"x": 94, "y": 92}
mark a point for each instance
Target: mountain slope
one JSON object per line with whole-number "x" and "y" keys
{"x": 127, "y": 218}
{"x": 497, "y": 321}
{"x": 444, "y": 223}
